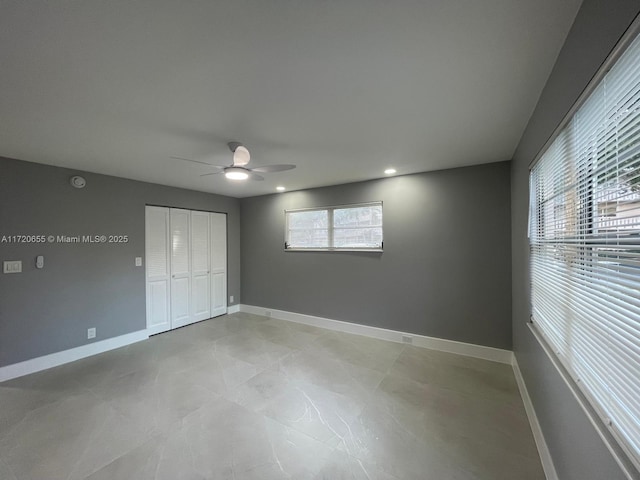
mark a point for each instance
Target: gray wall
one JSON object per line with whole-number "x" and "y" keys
{"x": 445, "y": 271}
{"x": 82, "y": 285}
{"x": 576, "y": 448}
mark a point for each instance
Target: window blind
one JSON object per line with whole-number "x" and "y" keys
{"x": 584, "y": 230}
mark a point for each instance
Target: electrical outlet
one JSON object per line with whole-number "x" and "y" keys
{"x": 231, "y": 299}
{"x": 91, "y": 333}
{"x": 407, "y": 339}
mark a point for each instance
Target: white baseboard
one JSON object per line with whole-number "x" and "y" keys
{"x": 470, "y": 350}
{"x": 233, "y": 309}
{"x": 53, "y": 360}
{"x": 541, "y": 443}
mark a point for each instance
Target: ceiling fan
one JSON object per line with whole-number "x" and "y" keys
{"x": 239, "y": 170}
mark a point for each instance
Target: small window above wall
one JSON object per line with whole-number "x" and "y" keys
{"x": 355, "y": 227}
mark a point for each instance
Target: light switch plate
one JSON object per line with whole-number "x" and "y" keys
{"x": 138, "y": 261}
{"x": 12, "y": 266}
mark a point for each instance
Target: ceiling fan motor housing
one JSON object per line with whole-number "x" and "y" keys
{"x": 241, "y": 156}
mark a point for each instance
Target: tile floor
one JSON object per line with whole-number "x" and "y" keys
{"x": 246, "y": 397}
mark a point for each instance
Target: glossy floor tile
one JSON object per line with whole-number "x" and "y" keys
{"x": 244, "y": 397}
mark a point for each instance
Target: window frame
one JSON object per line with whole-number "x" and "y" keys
{"x": 331, "y": 229}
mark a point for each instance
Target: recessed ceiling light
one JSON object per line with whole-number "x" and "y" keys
{"x": 390, "y": 171}
{"x": 235, "y": 173}
{"x": 280, "y": 188}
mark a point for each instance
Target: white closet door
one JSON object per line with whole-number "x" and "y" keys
{"x": 157, "y": 269}
{"x": 180, "y": 271}
{"x": 218, "y": 264}
{"x": 200, "y": 245}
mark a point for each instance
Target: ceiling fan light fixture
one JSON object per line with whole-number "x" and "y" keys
{"x": 234, "y": 173}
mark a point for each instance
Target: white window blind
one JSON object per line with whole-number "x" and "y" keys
{"x": 348, "y": 227}
{"x": 584, "y": 230}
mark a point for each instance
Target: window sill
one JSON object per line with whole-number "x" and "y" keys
{"x": 372, "y": 250}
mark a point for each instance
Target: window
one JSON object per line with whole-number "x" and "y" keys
{"x": 348, "y": 227}
{"x": 584, "y": 230}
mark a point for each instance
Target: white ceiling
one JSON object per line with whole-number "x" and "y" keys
{"x": 342, "y": 89}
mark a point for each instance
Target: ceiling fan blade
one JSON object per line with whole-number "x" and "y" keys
{"x": 273, "y": 168}
{"x": 255, "y": 176}
{"x": 212, "y": 173}
{"x": 197, "y": 161}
